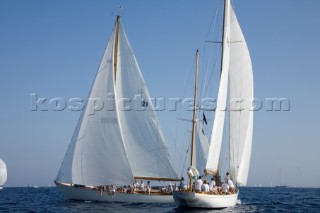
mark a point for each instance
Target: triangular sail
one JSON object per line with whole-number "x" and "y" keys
{"x": 145, "y": 145}
{"x": 218, "y": 126}
{"x": 241, "y": 95}
{"x": 96, "y": 154}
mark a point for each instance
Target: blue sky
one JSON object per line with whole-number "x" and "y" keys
{"x": 53, "y": 48}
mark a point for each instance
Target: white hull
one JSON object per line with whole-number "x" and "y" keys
{"x": 1, "y": 187}
{"x": 87, "y": 194}
{"x": 197, "y": 200}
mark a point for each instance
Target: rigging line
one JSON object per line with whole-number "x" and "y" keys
{"x": 186, "y": 156}
{"x": 186, "y": 86}
{"x": 205, "y": 71}
{"x": 184, "y": 146}
{"x": 179, "y": 111}
{"x": 203, "y": 163}
{"x": 213, "y": 19}
{"x": 205, "y": 68}
{"x": 210, "y": 77}
{"x": 175, "y": 145}
{"x": 189, "y": 79}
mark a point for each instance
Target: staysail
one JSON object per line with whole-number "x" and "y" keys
{"x": 3, "y": 173}
{"x": 218, "y": 125}
{"x": 112, "y": 145}
{"x": 241, "y": 96}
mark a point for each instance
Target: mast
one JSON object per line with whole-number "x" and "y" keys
{"x": 115, "y": 56}
{"x": 223, "y": 32}
{"x": 194, "y": 117}
{"x": 226, "y": 41}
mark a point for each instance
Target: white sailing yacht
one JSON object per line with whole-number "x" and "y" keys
{"x": 121, "y": 142}
{"x": 3, "y": 173}
{"x": 235, "y": 89}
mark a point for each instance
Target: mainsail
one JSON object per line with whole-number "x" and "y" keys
{"x": 111, "y": 144}
{"x": 240, "y": 96}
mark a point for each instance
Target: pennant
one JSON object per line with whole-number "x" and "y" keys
{"x": 204, "y": 119}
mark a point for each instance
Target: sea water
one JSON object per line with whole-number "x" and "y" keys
{"x": 253, "y": 199}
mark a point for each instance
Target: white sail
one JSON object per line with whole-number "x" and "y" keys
{"x": 218, "y": 126}
{"x": 145, "y": 145}
{"x": 201, "y": 148}
{"x": 112, "y": 145}
{"x": 96, "y": 154}
{"x": 241, "y": 95}
{"x": 3, "y": 173}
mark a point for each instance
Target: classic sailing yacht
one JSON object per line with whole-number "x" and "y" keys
{"x": 236, "y": 85}
{"x": 121, "y": 142}
{"x": 3, "y": 173}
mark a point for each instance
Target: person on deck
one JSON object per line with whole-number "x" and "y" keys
{"x": 142, "y": 185}
{"x": 198, "y": 184}
{"x": 212, "y": 185}
{"x": 112, "y": 190}
{"x": 227, "y": 176}
{"x": 231, "y": 186}
{"x": 148, "y": 187}
{"x": 182, "y": 184}
{"x": 136, "y": 185}
{"x": 170, "y": 189}
{"x": 225, "y": 188}
{"x": 205, "y": 186}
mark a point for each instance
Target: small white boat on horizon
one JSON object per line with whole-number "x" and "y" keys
{"x": 3, "y": 174}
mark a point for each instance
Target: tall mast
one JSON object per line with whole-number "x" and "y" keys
{"x": 223, "y": 31}
{"x": 115, "y": 56}
{"x": 194, "y": 117}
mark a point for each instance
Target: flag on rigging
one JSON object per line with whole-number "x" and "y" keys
{"x": 204, "y": 119}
